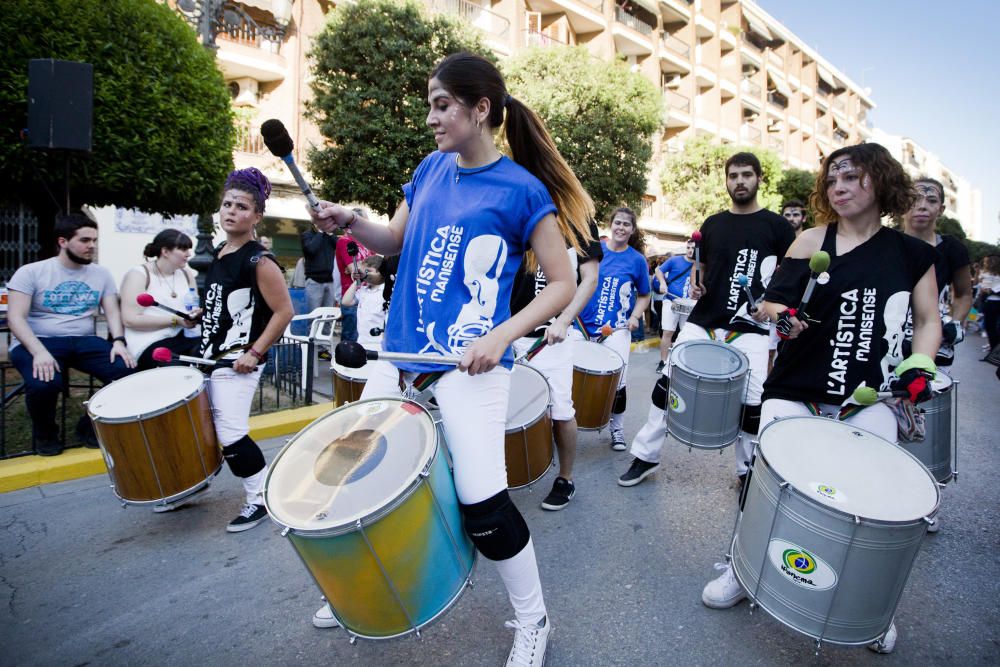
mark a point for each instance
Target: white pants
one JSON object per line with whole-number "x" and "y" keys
{"x": 474, "y": 415}
{"x": 877, "y": 418}
{"x": 231, "y": 395}
{"x": 648, "y": 442}
{"x": 555, "y": 362}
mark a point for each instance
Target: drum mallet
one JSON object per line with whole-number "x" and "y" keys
{"x": 696, "y": 237}
{"x": 146, "y": 300}
{"x": 745, "y": 284}
{"x": 164, "y": 355}
{"x": 869, "y": 396}
{"x": 530, "y": 353}
{"x": 353, "y": 355}
{"x": 818, "y": 263}
{"x": 278, "y": 141}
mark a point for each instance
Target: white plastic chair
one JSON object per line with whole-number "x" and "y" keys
{"x": 320, "y": 334}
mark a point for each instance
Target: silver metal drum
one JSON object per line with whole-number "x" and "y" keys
{"x": 832, "y": 521}
{"x": 939, "y": 448}
{"x": 708, "y": 383}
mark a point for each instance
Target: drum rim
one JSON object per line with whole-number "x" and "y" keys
{"x": 203, "y": 484}
{"x": 349, "y": 378}
{"x": 381, "y": 512}
{"x": 596, "y": 372}
{"x": 842, "y": 513}
{"x": 744, "y": 359}
{"x": 548, "y": 402}
{"x": 143, "y": 415}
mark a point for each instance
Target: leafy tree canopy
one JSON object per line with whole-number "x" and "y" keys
{"x": 694, "y": 183}
{"x": 950, "y": 226}
{"x": 370, "y": 69}
{"x": 162, "y": 124}
{"x": 797, "y": 184}
{"x": 601, "y": 115}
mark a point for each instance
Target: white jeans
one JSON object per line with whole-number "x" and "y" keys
{"x": 555, "y": 362}
{"x": 877, "y": 418}
{"x": 231, "y": 395}
{"x": 648, "y": 442}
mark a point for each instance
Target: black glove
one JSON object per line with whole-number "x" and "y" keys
{"x": 915, "y": 381}
{"x": 783, "y": 327}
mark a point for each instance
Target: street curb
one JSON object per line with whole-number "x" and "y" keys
{"x": 27, "y": 471}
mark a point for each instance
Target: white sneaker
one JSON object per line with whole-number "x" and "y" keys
{"x": 529, "y": 643}
{"x": 724, "y": 591}
{"x": 887, "y": 643}
{"x": 323, "y": 618}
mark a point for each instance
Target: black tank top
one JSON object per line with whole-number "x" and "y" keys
{"x": 235, "y": 312}
{"x": 862, "y": 315}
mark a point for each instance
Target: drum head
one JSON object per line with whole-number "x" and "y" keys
{"x": 709, "y": 359}
{"x": 350, "y": 463}
{"x": 529, "y": 396}
{"x": 360, "y": 374}
{"x": 592, "y": 356}
{"x": 848, "y": 469}
{"x": 941, "y": 382}
{"x": 146, "y": 392}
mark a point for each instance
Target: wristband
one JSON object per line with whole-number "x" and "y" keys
{"x": 173, "y": 321}
{"x": 255, "y": 353}
{"x": 119, "y": 339}
{"x": 354, "y": 218}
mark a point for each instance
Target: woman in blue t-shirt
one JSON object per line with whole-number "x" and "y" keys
{"x": 617, "y": 305}
{"x": 468, "y": 216}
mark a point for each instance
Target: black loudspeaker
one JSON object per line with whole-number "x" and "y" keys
{"x": 60, "y": 104}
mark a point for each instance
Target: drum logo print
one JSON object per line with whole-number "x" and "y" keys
{"x": 800, "y": 566}
{"x": 829, "y": 492}
{"x": 676, "y": 402}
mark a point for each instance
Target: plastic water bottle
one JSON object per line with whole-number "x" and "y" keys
{"x": 190, "y": 303}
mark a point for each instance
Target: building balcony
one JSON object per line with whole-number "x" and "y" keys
{"x": 727, "y": 89}
{"x": 728, "y": 135}
{"x": 776, "y": 59}
{"x": 239, "y": 59}
{"x": 704, "y": 27}
{"x": 675, "y": 55}
{"x": 750, "y": 88}
{"x": 248, "y": 139}
{"x": 583, "y": 15}
{"x": 703, "y": 126}
{"x": 776, "y": 143}
{"x": 540, "y": 39}
{"x": 677, "y": 109}
{"x": 674, "y": 11}
{"x": 494, "y": 25}
{"x": 632, "y": 36}
{"x": 727, "y": 40}
{"x": 750, "y": 53}
{"x": 750, "y": 134}
{"x": 705, "y": 77}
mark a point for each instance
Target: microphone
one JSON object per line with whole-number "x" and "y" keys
{"x": 696, "y": 237}
{"x": 818, "y": 263}
{"x": 352, "y": 250}
{"x": 164, "y": 355}
{"x": 146, "y": 300}
{"x": 278, "y": 141}
{"x": 745, "y": 284}
{"x": 352, "y": 355}
{"x": 869, "y": 396}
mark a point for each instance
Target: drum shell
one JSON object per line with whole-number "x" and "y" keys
{"x": 528, "y": 451}
{"x": 346, "y": 389}
{"x": 872, "y": 567}
{"x": 705, "y": 412}
{"x": 162, "y": 456}
{"x": 420, "y": 543}
{"x": 936, "y": 449}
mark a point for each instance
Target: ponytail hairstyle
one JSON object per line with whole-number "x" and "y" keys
{"x": 470, "y": 78}
{"x": 167, "y": 239}
{"x": 638, "y": 238}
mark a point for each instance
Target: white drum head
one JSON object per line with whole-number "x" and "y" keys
{"x": 146, "y": 392}
{"x": 350, "y": 463}
{"x": 849, "y": 469}
{"x": 591, "y": 356}
{"x": 941, "y": 383}
{"x": 709, "y": 359}
{"x": 529, "y": 396}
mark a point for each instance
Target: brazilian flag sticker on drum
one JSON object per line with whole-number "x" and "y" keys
{"x": 675, "y": 402}
{"x": 801, "y": 566}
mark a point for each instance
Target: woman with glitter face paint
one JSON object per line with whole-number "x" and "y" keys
{"x": 468, "y": 216}
{"x": 246, "y": 309}
{"x": 874, "y": 270}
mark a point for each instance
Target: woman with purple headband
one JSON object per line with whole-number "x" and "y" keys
{"x": 246, "y": 310}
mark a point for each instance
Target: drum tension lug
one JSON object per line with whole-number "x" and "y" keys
{"x": 819, "y": 645}
{"x": 284, "y": 532}
{"x": 353, "y": 639}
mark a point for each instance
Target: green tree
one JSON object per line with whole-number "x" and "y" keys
{"x": 601, "y": 115}
{"x": 797, "y": 184}
{"x": 950, "y": 226}
{"x": 694, "y": 183}
{"x": 370, "y": 69}
{"x": 162, "y": 124}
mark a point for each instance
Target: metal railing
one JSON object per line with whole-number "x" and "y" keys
{"x": 248, "y": 139}
{"x": 676, "y": 101}
{"x": 18, "y": 240}
{"x": 540, "y": 39}
{"x": 250, "y": 33}
{"x": 750, "y": 133}
{"x": 777, "y": 143}
{"x": 676, "y": 45}
{"x": 482, "y": 18}
{"x": 775, "y": 58}
{"x": 633, "y": 22}
{"x": 750, "y": 88}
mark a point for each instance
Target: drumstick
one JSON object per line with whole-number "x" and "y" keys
{"x": 696, "y": 237}
{"x": 745, "y": 284}
{"x": 164, "y": 355}
{"x": 352, "y": 355}
{"x": 818, "y": 263}
{"x": 869, "y": 396}
{"x": 146, "y": 300}
{"x": 535, "y": 348}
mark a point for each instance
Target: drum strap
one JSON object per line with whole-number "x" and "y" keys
{"x": 845, "y": 411}
{"x": 729, "y": 337}
{"x": 422, "y": 382}
{"x": 579, "y": 325}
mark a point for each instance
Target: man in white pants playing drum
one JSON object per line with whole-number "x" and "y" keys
{"x": 746, "y": 240}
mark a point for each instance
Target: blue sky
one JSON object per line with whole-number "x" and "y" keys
{"x": 934, "y": 72}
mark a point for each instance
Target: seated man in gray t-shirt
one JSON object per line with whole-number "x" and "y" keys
{"x": 51, "y": 311}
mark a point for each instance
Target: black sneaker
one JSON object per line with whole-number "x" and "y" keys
{"x": 659, "y": 366}
{"x": 638, "y": 471}
{"x": 85, "y": 432}
{"x": 618, "y": 440}
{"x": 562, "y": 492}
{"x": 249, "y": 517}
{"x": 48, "y": 448}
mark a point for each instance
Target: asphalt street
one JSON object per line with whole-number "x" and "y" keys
{"x": 85, "y": 582}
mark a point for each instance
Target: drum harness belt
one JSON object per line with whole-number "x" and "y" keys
{"x": 845, "y": 412}
{"x": 729, "y": 338}
{"x": 422, "y": 382}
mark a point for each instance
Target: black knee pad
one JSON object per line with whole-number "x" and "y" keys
{"x": 496, "y": 527}
{"x": 751, "y": 419}
{"x": 620, "y": 400}
{"x": 661, "y": 391}
{"x": 244, "y": 457}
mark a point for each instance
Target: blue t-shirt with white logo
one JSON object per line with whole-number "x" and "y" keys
{"x": 677, "y": 271}
{"x": 466, "y": 234}
{"x": 623, "y": 276}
